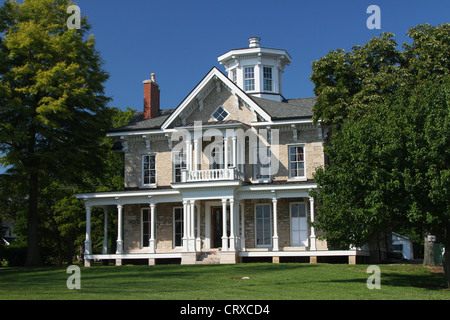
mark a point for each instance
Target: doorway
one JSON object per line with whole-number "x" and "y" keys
{"x": 216, "y": 226}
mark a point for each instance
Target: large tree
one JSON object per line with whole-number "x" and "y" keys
{"x": 53, "y": 109}
{"x": 388, "y": 111}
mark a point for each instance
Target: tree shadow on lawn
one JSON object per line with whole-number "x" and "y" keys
{"x": 432, "y": 281}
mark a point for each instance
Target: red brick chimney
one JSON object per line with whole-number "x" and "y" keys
{"x": 151, "y": 98}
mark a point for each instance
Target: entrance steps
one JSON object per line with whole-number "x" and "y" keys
{"x": 208, "y": 257}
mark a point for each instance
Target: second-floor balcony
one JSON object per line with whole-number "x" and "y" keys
{"x": 230, "y": 173}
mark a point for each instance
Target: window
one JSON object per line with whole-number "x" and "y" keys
{"x": 261, "y": 169}
{"x": 267, "y": 78}
{"x": 249, "y": 78}
{"x": 233, "y": 75}
{"x": 179, "y": 164}
{"x": 263, "y": 225}
{"x": 299, "y": 229}
{"x": 178, "y": 226}
{"x": 145, "y": 223}
{"x": 220, "y": 114}
{"x": 148, "y": 170}
{"x": 296, "y": 162}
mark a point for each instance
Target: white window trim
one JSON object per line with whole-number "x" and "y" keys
{"x": 221, "y": 106}
{"x": 173, "y": 227}
{"x": 302, "y": 178}
{"x": 256, "y": 226}
{"x": 173, "y": 164}
{"x": 290, "y": 223}
{"x": 264, "y": 90}
{"x": 142, "y": 227}
{"x": 254, "y": 78}
{"x": 142, "y": 171}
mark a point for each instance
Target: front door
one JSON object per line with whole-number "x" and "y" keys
{"x": 216, "y": 227}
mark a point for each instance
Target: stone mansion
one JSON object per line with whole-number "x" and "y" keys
{"x": 224, "y": 177}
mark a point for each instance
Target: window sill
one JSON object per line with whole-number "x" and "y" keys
{"x": 258, "y": 181}
{"x": 298, "y": 179}
{"x": 148, "y": 186}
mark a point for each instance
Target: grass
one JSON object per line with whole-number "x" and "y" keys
{"x": 288, "y": 281}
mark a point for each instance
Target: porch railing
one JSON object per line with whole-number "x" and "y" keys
{"x": 211, "y": 175}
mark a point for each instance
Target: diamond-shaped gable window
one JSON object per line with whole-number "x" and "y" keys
{"x": 220, "y": 114}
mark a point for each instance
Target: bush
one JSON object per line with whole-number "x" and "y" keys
{"x": 14, "y": 255}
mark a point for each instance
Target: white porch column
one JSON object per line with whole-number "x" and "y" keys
{"x": 185, "y": 226}
{"x": 151, "y": 241}
{"x": 275, "y": 226}
{"x": 87, "y": 242}
{"x": 105, "y": 230}
{"x": 198, "y": 240}
{"x": 234, "y": 149}
{"x": 225, "y": 149}
{"x": 196, "y": 154}
{"x": 237, "y": 223}
{"x": 119, "y": 229}
{"x": 188, "y": 154}
{"x": 192, "y": 225}
{"x": 232, "y": 226}
{"x": 242, "y": 229}
{"x": 312, "y": 237}
{"x": 224, "y": 226}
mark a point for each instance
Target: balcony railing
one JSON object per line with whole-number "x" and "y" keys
{"x": 211, "y": 175}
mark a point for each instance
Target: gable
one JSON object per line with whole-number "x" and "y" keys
{"x": 219, "y": 105}
{"x": 215, "y": 90}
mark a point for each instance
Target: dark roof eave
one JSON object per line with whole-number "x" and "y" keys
{"x": 133, "y": 130}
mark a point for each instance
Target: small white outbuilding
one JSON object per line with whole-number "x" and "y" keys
{"x": 404, "y": 245}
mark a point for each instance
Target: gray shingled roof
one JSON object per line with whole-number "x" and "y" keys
{"x": 139, "y": 123}
{"x": 289, "y": 109}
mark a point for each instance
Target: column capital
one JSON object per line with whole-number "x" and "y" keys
{"x": 231, "y": 201}
{"x": 224, "y": 201}
{"x": 274, "y": 200}
{"x": 119, "y": 206}
{"x": 152, "y": 205}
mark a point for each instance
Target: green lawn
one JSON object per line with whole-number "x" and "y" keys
{"x": 206, "y": 282}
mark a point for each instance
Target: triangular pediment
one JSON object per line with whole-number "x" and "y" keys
{"x": 213, "y": 92}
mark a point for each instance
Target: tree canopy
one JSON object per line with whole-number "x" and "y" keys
{"x": 388, "y": 115}
{"x": 52, "y": 103}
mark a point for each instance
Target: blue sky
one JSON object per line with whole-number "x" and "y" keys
{"x": 181, "y": 40}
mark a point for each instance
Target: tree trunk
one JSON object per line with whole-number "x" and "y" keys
{"x": 33, "y": 252}
{"x": 446, "y": 260}
{"x": 70, "y": 252}
{"x": 446, "y": 264}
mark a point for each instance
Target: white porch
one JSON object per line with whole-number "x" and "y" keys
{"x": 238, "y": 238}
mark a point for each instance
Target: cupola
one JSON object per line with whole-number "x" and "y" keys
{"x": 257, "y": 70}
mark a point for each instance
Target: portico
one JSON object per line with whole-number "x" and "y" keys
{"x": 244, "y": 223}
